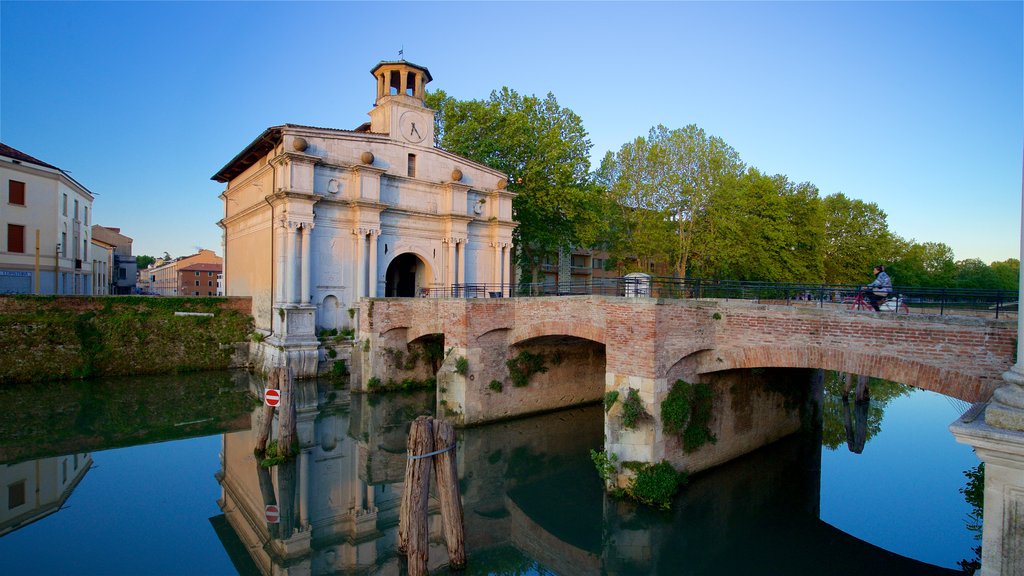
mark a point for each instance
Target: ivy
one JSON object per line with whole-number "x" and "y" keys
{"x": 654, "y": 484}
{"x": 495, "y": 385}
{"x": 523, "y": 366}
{"x": 609, "y": 400}
{"x": 686, "y": 412}
{"x": 461, "y": 366}
{"x": 633, "y": 409}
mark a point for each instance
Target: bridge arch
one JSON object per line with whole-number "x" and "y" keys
{"x": 949, "y": 382}
{"x": 585, "y": 331}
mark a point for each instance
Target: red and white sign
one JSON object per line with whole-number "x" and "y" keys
{"x": 272, "y": 397}
{"x": 273, "y": 514}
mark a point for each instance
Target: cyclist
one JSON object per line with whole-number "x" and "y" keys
{"x": 879, "y": 290}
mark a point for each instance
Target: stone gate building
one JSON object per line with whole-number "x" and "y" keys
{"x": 316, "y": 218}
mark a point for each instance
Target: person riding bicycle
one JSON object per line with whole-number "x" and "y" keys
{"x": 879, "y": 290}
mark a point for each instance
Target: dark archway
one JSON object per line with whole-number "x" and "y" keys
{"x": 401, "y": 276}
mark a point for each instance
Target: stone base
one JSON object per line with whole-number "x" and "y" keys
{"x": 1002, "y": 451}
{"x": 302, "y": 359}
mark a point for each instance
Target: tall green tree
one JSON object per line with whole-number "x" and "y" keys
{"x": 544, "y": 149}
{"x": 669, "y": 180}
{"x": 857, "y": 238}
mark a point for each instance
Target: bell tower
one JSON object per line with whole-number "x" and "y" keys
{"x": 399, "y": 109}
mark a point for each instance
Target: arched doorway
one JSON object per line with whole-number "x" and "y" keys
{"x": 406, "y": 274}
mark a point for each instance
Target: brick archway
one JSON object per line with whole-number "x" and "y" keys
{"x": 914, "y": 373}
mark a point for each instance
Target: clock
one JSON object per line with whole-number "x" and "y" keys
{"x": 413, "y": 126}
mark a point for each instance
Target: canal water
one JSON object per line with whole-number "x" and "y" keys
{"x": 157, "y": 476}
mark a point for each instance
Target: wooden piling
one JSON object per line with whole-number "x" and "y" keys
{"x": 267, "y": 416}
{"x": 863, "y": 392}
{"x": 412, "y": 520}
{"x": 286, "y": 436}
{"x": 446, "y": 470}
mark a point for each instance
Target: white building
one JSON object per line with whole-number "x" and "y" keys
{"x": 44, "y": 228}
{"x": 38, "y": 488}
{"x": 317, "y": 218}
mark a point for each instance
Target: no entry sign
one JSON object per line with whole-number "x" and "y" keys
{"x": 273, "y": 514}
{"x": 272, "y": 397}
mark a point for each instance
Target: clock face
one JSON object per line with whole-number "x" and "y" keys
{"x": 412, "y": 126}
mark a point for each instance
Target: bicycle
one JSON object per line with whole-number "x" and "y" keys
{"x": 887, "y": 304}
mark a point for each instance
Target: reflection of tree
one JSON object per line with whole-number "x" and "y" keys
{"x": 833, "y": 425}
{"x": 974, "y": 494}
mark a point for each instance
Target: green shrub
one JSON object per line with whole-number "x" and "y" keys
{"x": 523, "y": 366}
{"x": 609, "y": 400}
{"x": 332, "y": 353}
{"x": 495, "y": 385}
{"x": 462, "y": 366}
{"x": 605, "y": 465}
{"x": 686, "y": 412}
{"x": 633, "y": 409}
{"x": 654, "y": 484}
{"x": 373, "y": 383}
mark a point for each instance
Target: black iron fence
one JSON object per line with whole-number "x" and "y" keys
{"x": 903, "y": 299}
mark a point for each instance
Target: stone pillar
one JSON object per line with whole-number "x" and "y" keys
{"x": 280, "y": 247}
{"x": 451, "y": 278}
{"x": 374, "y": 236}
{"x": 496, "y": 274}
{"x": 307, "y": 229}
{"x": 461, "y": 270}
{"x": 290, "y": 263}
{"x": 359, "y": 263}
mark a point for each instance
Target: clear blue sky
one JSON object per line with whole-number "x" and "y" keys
{"x": 918, "y": 106}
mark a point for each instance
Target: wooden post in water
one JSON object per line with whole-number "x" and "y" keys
{"x": 267, "y": 417}
{"x": 446, "y": 470}
{"x": 286, "y": 420}
{"x": 412, "y": 520}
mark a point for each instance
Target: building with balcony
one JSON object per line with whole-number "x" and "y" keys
{"x": 44, "y": 228}
{"x": 317, "y": 218}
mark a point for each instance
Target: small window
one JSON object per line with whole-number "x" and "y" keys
{"x": 75, "y": 215}
{"x": 64, "y": 244}
{"x": 16, "y": 193}
{"x": 15, "y": 238}
{"x": 197, "y": 282}
{"x": 209, "y": 273}
{"x": 15, "y": 494}
{"x": 196, "y": 294}
{"x": 86, "y": 215}
{"x": 65, "y": 204}
{"x": 209, "y": 282}
{"x": 412, "y": 165}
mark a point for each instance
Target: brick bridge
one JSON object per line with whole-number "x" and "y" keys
{"x": 596, "y": 344}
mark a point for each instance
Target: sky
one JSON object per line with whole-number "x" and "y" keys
{"x": 918, "y": 107}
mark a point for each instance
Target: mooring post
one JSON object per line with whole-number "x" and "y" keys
{"x": 412, "y": 520}
{"x": 286, "y": 436}
{"x": 446, "y": 470}
{"x": 267, "y": 417}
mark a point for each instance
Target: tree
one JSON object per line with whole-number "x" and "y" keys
{"x": 668, "y": 181}
{"x": 1007, "y": 274}
{"x": 857, "y": 238}
{"x": 544, "y": 150}
{"x": 142, "y": 261}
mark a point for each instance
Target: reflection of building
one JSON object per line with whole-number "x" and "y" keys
{"x": 39, "y": 198}
{"x": 123, "y": 271}
{"x": 162, "y": 277}
{"x": 316, "y": 218}
{"x": 338, "y": 501}
{"x": 37, "y": 488}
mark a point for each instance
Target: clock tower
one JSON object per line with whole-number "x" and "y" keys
{"x": 399, "y": 109}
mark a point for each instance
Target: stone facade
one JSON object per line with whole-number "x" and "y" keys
{"x": 317, "y": 218}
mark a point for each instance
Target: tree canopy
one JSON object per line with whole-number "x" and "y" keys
{"x": 680, "y": 201}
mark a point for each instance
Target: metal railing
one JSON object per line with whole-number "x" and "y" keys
{"x": 904, "y": 299}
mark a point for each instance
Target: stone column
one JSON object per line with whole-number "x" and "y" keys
{"x": 307, "y": 229}
{"x": 360, "y": 243}
{"x": 374, "y": 236}
{"x": 450, "y": 276}
{"x": 461, "y": 270}
{"x": 290, "y": 263}
{"x": 496, "y": 274}
{"x": 280, "y": 247}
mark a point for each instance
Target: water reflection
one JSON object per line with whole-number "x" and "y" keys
{"x": 534, "y": 503}
{"x": 38, "y": 488}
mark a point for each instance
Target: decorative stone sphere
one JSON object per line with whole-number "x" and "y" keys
{"x": 456, "y": 175}
{"x": 502, "y": 184}
{"x": 366, "y": 157}
{"x": 300, "y": 144}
